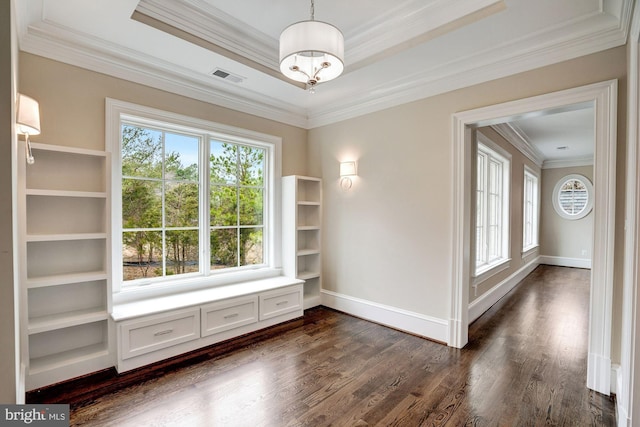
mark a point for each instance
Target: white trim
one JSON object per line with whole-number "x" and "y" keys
{"x": 616, "y": 377}
{"x": 490, "y": 271}
{"x": 516, "y": 137}
{"x": 493, "y": 295}
{"x": 202, "y": 20}
{"x": 627, "y": 397}
{"x": 555, "y": 198}
{"x": 376, "y": 39}
{"x": 406, "y": 24}
{"x": 587, "y": 34}
{"x": 599, "y": 371}
{"x": 617, "y": 388}
{"x": 404, "y": 320}
{"x": 527, "y": 250}
{"x": 568, "y": 163}
{"x": 494, "y": 146}
{"x": 566, "y": 261}
{"x": 603, "y": 96}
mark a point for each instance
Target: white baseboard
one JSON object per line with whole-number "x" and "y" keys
{"x": 616, "y": 377}
{"x": 616, "y": 388}
{"x": 21, "y": 389}
{"x": 414, "y": 323}
{"x": 493, "y": 295}
{"x": 599, "y": 373}
{"x": 565, "y": 261}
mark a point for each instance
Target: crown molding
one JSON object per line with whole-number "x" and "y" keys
{"x": 62, "y": 44}
{"x": 519, "y": 140}
{"x": 579, "y": 37}
{"x": 567, "y": 163}
{"x": 200, "y": 19}
{"x": 402, "y": 27}
{"x": 409, "y": 24}
{"x": 587, "y": 36}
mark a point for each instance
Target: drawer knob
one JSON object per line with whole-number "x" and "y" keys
{"x": 282, "y": 302}
{"x": 165, "y": 332}
{"x": 231, "y": 316}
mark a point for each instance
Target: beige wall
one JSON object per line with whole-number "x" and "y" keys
{"x": 561, "y": 237}
{"x": 8, "y": 392}
{"x": 72, "y": 103}
{"x": 388, "y": 240}
{"x": 516, "y": 189}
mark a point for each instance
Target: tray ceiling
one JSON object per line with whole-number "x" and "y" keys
{"x": 395, "y": 52}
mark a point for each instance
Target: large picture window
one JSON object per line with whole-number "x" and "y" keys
{"x": 492, "y": 206}
{"x": 193, "y": 203}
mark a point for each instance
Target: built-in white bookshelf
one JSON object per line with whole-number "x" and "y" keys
{"x": 302, "y": 233}
{"x": 64, "y": 245}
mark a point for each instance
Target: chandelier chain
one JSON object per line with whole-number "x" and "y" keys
{"x": 313, "y": 10}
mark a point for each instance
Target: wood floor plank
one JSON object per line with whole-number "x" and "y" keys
{"x": 525, "y": 365}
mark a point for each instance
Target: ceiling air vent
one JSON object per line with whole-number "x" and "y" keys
{"x": 233, "y": 78}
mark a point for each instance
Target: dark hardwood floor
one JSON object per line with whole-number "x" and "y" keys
{"x": 525, "y": 365}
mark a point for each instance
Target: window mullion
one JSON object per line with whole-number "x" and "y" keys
{"x": 163, "y": 205}
{"x": 485, "y": 228}
{"x": 205, "y": 205}
{"x": 238, "y": 162}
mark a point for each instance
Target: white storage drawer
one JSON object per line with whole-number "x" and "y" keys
{"x": 281, "y": 301}
{"x": 225, "y": 315}
{"x": 151, "y": 333}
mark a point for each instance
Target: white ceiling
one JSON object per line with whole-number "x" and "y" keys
{"x": 395, "y": 51}
{"x": 560, "y": 137}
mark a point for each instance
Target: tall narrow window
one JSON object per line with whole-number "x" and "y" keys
{"x": 492, "y": 206}
{"x": 530, "y": 217}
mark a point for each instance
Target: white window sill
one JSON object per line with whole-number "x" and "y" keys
{"x": 181, "y": 286}
{"x": 529, "y": 250}
{"x": 159, "y": 304}
{"x": 490, "y": 270}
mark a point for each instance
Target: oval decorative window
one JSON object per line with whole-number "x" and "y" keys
{"x": 573, "y": 196}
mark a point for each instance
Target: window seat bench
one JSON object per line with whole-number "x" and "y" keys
{"x": 158, "y": 328}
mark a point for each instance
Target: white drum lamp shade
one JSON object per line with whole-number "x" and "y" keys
{"x": 27, "y": 121}
{"x": 311, "y": 52}
{"x": 28, "y": 116}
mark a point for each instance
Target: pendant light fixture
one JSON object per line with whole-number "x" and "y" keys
{"x": 311, "y": 51}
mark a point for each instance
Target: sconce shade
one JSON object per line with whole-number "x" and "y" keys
{"x": 347, "y": 169}
{"x": 28, "y": 115}
{"x": 311, "y": 52}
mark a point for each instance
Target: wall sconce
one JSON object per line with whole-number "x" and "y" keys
{"x": 347, "y": 170}
{"x": 28, "y": 122}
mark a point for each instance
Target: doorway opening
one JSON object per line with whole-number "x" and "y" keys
{"x": 602, "y": 97}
